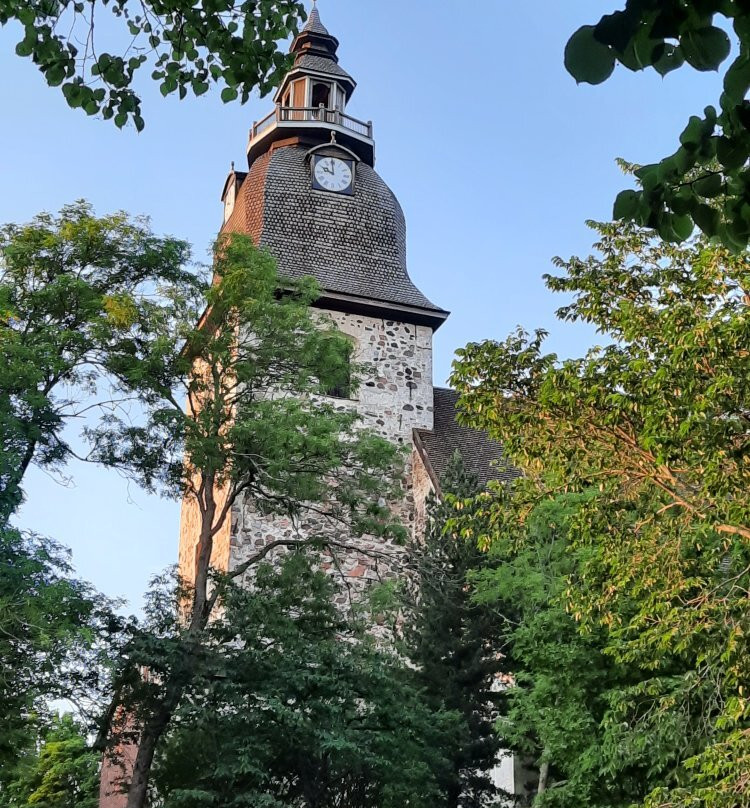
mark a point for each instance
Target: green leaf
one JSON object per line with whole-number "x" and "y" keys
{"x": 55, "y": 75}
{"x": 626, "y": 205}
{"x": 228, "y": 94}
{"x": 737, "y": 79}
{"x": 24, "y": 48}
{"x": 705, "y": 48}
{"x": 693, "y": 133}
{"x": 587, "y": 59}
{"x": 709, "y": 186}
{"x": 683, "y": 226}
{"x": 707, "y": 218}
{"x": 667, "y": 58}
{"x": 731, "y": 152}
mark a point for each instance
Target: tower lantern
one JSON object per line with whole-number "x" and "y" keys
{"x": 311, "y": 101}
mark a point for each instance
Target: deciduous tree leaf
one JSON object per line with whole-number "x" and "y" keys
{"x": 705, "y": 48}
{"x": 587, "y": 59}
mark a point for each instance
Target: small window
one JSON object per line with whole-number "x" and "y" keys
{"x": 341, "y": 388}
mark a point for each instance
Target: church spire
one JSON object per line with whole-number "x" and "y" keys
{"x": 314, "y": 25}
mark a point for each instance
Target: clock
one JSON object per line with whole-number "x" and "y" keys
{"x": 333, "y": 174}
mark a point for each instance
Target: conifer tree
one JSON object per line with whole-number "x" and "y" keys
{"x": 456, "y": 644}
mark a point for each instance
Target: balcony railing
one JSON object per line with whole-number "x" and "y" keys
{"x": 309, "y": 115}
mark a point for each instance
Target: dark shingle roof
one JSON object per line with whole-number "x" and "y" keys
{"x": 481, "y": 455}
{"x": 353, "y": 245}
{"x": 320, "y": 64}
{"x": 314, "y": 25}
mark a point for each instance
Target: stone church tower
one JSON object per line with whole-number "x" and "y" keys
{"x": 312, "y": 197}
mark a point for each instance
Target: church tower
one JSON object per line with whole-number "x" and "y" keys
{"x": 312, "y": 197}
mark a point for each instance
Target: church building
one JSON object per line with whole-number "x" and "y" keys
{"x": 312, "y": 198}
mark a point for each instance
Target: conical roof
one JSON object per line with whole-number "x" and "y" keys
{"x": 314, "y": 25}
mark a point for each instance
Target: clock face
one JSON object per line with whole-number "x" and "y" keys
{"x": 332, "y": 174}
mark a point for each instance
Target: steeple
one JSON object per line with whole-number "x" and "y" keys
{"x": 311, "y": 101}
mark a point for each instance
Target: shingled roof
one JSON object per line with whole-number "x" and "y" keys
{"x": 314, "y": 25}
{"x": 353, "y": 245}
{"x": 481, "y": 455}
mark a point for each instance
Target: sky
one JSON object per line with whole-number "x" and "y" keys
{"x": 496, "y": 155}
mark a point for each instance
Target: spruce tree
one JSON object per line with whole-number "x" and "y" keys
{"x": 456, "y": 644}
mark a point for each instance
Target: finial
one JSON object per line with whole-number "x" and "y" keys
{"x": 333, "y": 137}
{"x": 232, "y": 169}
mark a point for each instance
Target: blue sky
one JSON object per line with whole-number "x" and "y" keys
{"x": 495, "y": 154}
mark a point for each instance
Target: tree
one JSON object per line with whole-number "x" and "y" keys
{"x": 456, "y": 644}
{"x": 705, "y": 182}
{"x": 187, "y": 47}
{"x": 654, "y": 423}
{"x": 62, "y": 772}
{"x": 295, "y": 704}
{"x": 70, "y": 288}
{"x": 72, "y": 294}
{"x": 255, "y": 431}
{"x": 557, "y": 714}
{"x": 54, "y": 634}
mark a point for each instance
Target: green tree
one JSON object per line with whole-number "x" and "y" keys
{"x": 295, "y": 704}
{"x": 186, "y": 47}
{"x": 73, "y": 288}
{"x": 62, "y": 772}
{"x": 256, "y": 430}
{"x": 456, "y": 643}
{"x": 655, "y": 424}
{"x": 557, "y": 715}
{"x": 54, "y": 633}
{"x": 70, "y": 289}
{"x": 706, "y": 181}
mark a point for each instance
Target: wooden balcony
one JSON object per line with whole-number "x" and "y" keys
{"x": 289, "y": 121}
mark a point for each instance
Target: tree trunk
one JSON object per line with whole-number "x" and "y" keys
{"x": 156, "y": 725}
{"x": 543, "y": 777}
{"x": 147, "y": 743}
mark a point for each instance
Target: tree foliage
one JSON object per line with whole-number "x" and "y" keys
{"x": 655, "y": 424}
{"x": 558, "y": 713}
{"x": 74, "y": 292}
{"x": 294, "y": 704}
{"x": 188, "y": 47}
{"x": 71, "y": 287}
{"x": 456, "y": 644}
{"x": 60, "y": 772}
{"x": 54, "y": 639}
{"x": 258, "y": 432}
{"x": 705, "y": 182}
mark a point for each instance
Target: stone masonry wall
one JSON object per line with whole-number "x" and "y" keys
{"x": 394, "y": 398}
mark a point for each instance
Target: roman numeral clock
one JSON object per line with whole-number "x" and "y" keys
{"x": 332, "y": 174}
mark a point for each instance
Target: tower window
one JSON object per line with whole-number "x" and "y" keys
{"x": 342, "y": 388}
{"x": 321, "y": 94}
